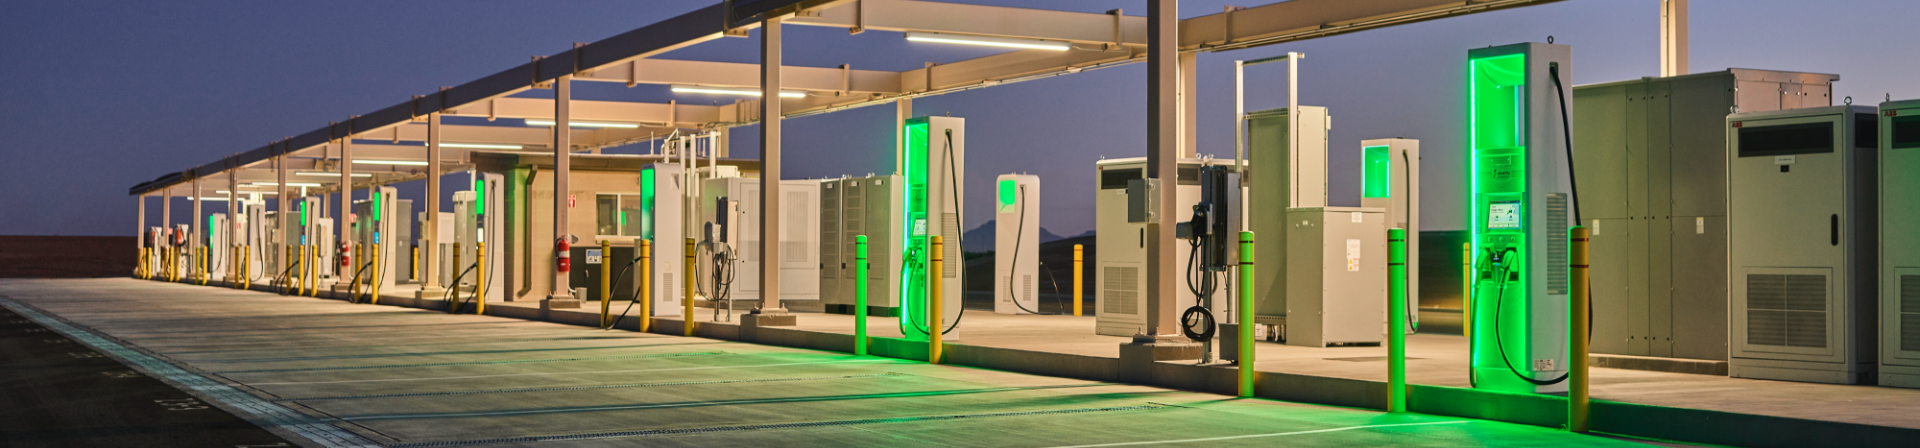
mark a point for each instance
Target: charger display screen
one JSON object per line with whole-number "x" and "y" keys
{"x": 1503, "y": 215}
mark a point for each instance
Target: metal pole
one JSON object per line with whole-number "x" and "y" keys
{"x": 933, "y": 301}
{"x": 1577, "y": 381}
{"x": 860, "y": 295}
{"x": 562, "y": 295}
{"x": 1078, "y": 259}
{"x": 1396, "y": 320}
{"x": 140, "y": 243}
{"x": 1245, "y": 357}
{"x": 646, "y": 286}
{"x": 770, "y": 168}
{"x": 343, "y": 224}
{"x": 430, "y": 232}
{"x": 1163, "y": 143}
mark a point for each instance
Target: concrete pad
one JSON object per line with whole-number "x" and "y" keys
{"x": 402, "y": 377}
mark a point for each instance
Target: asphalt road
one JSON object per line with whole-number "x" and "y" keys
{"x": 55, "y": 392}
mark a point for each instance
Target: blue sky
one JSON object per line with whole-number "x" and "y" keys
{"x": 99, "y": 96}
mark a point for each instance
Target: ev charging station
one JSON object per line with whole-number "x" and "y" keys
{"x": 1899, "y": 140}
{"x": 933, "y": 191}
{"x": 251, "y": 233}
{"x": 313, "y": 229}
{"x": 728, "y": 259}
{"x": 1016, "y": 245}
{"x": 480, "y": 214}
{"x": 1390, "y": 171}
{"x": 1521, "y": 201}
{"x": 1801, "y": 244}
{"x": 381, "y": 220}
{"x": 663, "y": 221}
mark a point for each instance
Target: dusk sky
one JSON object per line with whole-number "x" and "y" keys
{"x": 100, "y": 96}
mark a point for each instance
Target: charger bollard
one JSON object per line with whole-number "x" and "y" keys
{"x": 646, "y": 286}
{"x": 246, "y": 267}
{"x": 480, "y": 278}
{"x": 933, "y": 301}
{"x": 860, "y": 295}
{"x": 312, "y": 275}
{"x": 1077, "y": 260}
{"x": 1577, "y": 311}
{"x": 606, "y": 274}
{"x": 373, "y": 296}
{"x": 353, "y": 281}
{"x": 301, "y": 268}
{"x": 1245, "y": 320}
{"x": 1396, "y": 319}
{"x": 686, "y": 302}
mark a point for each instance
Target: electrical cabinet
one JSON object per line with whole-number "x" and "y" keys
{"x": 1651, "y": 159}
{"x": 1899, "y": 142}
{"x": 663, "y": 189}
{"x": 1120, "y": 258}
{"x": 1803, "y": 237}
{"x": 730, "y": 222}
{"x": 836, "y": 296}
{"x": 1289, "y": 170}
{"x": 1336, "y": 293}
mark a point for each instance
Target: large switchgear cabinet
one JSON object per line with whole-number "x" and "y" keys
{"x": 1325, "y": 283}
{"x": 1802, "y": 235}
{"x": 1651, "y": 155}
{"x": 852, "y": 207}
{"x": 1899, "y": 261}
{"x": 730, "y": 222}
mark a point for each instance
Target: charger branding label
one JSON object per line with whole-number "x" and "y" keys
{"x": 593, "y": 256}
{"x": 1782, "y": 160}
{"x": 1353, "y": 255}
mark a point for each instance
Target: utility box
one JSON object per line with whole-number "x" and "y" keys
{"x": 1899, "y": 140}
{"x": 1899, "y": 260}
{"x": 1651, "y": 157}
{"x": 586, "y": 271}
{"x": 1390, "y": 181}
{"x": 851, "y": 207}
{"x": 1337, "y": 290}
{"x": 730, "y": 217}
{"x": 836, "y": 296}
{"x": 1803, "y": 237}
{"x": 1120, "y": 256}
{"x": 1016, "y": 245}
{"x": 1289, "y": 170}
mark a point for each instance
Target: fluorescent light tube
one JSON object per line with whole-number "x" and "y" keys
{"x": 571, "y": 124}
{"x": 327, "y": 174}
{"x": 391, "y": 162}
{"x": 483, "y": 145}
{"x": 1027, "y": 44}
{"x": 741, "y": 92}
{"x": 290, "y": 184}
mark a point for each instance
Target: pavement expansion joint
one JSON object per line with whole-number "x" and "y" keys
{"x": 666, "y": 369}
{"x": 470, "y": 363}
{"x": 774, "y": 426}
{"x": 472, "y": 352}
{"x": 603, "y": 386}
{"x": 577, "y": 409}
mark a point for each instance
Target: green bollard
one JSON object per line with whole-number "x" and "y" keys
{"x": 1245, "y": 357}
{"x": 860, "y": 295}
{"x": 1396, "y": 320}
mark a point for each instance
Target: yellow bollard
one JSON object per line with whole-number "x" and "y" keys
{"x": 1077, "y": 260}
{"x": 480, "y": 281}
{"x": 456, "y": 273}
{"x": 414, "y": 275}
{"x": 934, "y": 311}
{"x": 646, "y": 286}
{"x": 686, "y": 315}
{"x": 376, "y": 275}
{"x": 353, "y": 282}
{"x": 246, "y": 267}
{"x": 606, "y": 274}
{"x": 206, "y": 265}
{"x": 307, "y": 270}
{"x": 1577, "y": 403}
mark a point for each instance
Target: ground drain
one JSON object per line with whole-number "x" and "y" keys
{"x": 607, "y": 386}
{"x": 716, "y": 429}
{"x": 467, "y": 363}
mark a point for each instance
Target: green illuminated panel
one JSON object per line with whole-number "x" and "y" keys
{"x": 646, "y": 204}
{"x": 913, "y": 238}
{"x": 1501, "y": 228}
{"x": 1376, "y": 170}
{"x": 1009, "y": 195}
{"x": 479, "y": 197}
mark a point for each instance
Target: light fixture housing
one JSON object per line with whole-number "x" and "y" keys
{"x": 733, "y": 91}
{"x": 290, "y": 184}
{"x": 1002, "y": 42}
{"x": 389, "y": 162}
{"x": 268, "y": 193}
{"x": 571, "y": 124}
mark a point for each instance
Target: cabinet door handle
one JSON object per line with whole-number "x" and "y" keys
{"x": 1833, "y": 226}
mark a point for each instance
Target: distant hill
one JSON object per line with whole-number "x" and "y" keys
{"x": 981, "y": 238}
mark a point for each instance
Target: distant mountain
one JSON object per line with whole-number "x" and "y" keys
{"x": 981, "y": 239}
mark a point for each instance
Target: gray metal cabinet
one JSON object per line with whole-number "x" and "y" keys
{"x": 1651, "y": 158}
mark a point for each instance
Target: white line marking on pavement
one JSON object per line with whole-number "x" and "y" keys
{"x": 1277, "y": 434}
{"x": 889, "y": 361}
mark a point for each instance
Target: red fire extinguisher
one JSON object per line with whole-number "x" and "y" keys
{"x": 563, "y": 255}
{"x": 346, "y": 257}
